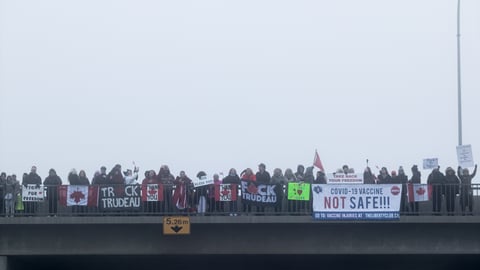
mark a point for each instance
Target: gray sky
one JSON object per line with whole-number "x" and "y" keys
{"x": 210, "y": 85}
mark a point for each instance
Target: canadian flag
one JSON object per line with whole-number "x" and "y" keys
{"x": 152, "y": 193}
{"x": 78, "y": 195}
{"x": 419, "y": 192}
{"x": 317, "y": 162}
{"x": 225, "y": 193}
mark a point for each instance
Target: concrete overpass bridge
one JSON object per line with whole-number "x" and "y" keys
{"x": 57, "y": 241}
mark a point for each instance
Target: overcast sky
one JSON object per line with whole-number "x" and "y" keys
{"x": 211, "y": 85}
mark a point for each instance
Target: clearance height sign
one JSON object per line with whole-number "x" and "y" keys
{"x": 356, "y": 202}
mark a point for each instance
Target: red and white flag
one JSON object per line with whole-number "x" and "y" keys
{"x": 317, "y": 162}
{"x": 419, "y": 192}
{"x": 78, "y": 195}
{"x": 225, "y": 193}
{"x": 152, "y": 193}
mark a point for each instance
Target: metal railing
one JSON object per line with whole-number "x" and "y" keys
{"x": 151, "y": 200}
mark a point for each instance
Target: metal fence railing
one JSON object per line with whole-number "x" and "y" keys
{"x": 155, "y": 199}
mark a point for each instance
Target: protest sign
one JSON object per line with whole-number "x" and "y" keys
{"x": 152, "y": 193}
{"x": 299, "y": 191}
{"x": 260, "y": 194}
{"x": 465, "y": 156}
{"x": 430, "y": 163}
{"x": 32, "y": 193}
{"x": 120, "y": 197}
{"x": 225, "y": 192}
{"x": 356, "y": 202}
{"x": 342, "y": 178}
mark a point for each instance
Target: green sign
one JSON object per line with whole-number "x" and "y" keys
{"x": 299, "y": 191}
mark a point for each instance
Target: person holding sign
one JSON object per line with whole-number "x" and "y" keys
{"x": 31, "y": 179}
{"x": 416, "y": 179}
{"x": 232, "y": 179}
{"x": 437, "y": 180}
{"x": 466, "y": 193}
{"x": 280, "y": 181}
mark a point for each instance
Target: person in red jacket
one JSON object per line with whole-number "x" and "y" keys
{"x": 249, "y": 176}
{"x": 151, "y": 178}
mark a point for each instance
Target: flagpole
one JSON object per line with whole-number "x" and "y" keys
{"x": 459, "y": 81}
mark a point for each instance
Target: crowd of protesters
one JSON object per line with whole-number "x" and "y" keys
{"x": 180, "y": 195}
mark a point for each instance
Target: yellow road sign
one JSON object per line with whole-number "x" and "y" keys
{"x": 176, "y": 225}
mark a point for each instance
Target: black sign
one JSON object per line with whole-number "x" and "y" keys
{"x": 120, "y": 197}
{"x": 261, "y": 194}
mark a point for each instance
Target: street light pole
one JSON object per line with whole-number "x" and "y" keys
{"x": 459, "y": 82}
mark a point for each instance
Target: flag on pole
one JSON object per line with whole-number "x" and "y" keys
{"x": 317, "y": 162}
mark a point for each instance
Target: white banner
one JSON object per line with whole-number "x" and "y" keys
{"x": 430, "y": 163}
{"x": 341, "y": 178}
{"x": 356, "y": 202}
{"x": 33, "y": 193}
{"x": 77, "y": 195}
{"x": 202, "y": 182}
{"x": 465, "y": 156}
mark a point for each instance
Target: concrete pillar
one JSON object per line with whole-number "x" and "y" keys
{"x": 3, "y": 263}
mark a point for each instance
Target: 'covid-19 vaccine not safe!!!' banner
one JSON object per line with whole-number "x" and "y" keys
{"x": 356, "y": 202}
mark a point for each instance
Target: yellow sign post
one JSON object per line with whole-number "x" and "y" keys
{"x": 176, "y": 225}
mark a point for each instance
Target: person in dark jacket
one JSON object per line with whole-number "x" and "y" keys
{"x": 115, "y": 176}
{"x": 384, "y": 177}
{"x": 300, "y": 173}
{"x": 466, "y": 192}
{"x": 166, "y": 178}
{"x": 263, "y": 177}
{"x": 3, "y": 182}
{"x": 234, "y": 180}
{"x": 416, "y": 179}
{"x": 309, "y": 178}
{"x": 201, "y": 193}
{"x": 321, "y": 178}
{"x": 247, "y": 175}
{"x": 31, "y": 179}
{"x": 402, "y": 179}
{"x": 101, "y": 178}
{"x": 52, "y": 182}
{"x": 452, "y": 188}
{"x": 280, "y": 181}
{"x": 437, "y": 180}
{"x": 368, "y": 177}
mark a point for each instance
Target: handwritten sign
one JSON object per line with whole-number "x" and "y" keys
{"x": 32, "y": 193}
{"x": 465, "y": 156}
{"x": 430, "y": 163}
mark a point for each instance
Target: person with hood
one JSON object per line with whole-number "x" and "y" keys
{"x": 183, "y": 189}
{"x": 167, "y": 180}
{"x": 234, "y": 180}
{"x": 101, "y": 178}
{"x": 300, "y": 173}
{"x": 416, "y": 179}
{"x": 466, "y": 192}
{"x": 280, "y": 184}
{"x": 452, "y": 188}
{"x": 309, "y": 178}
{"x": 384, "y": 177}
{"x": 31, "y": 179}
{"x": 115, "y": 176}
{"x": 437, "y": 180}
{"x": 402, "y": 179}
{"x": 52, "y": 182}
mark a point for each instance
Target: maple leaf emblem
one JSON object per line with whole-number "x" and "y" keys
{"x": 420, "y": 191}
{"x": 225, "y": 192}
{"x": 77, "y": 196}
{"x": 252, "y": 189}
{"x": 152, "y": 190}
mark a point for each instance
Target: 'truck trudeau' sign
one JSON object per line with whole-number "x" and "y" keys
{"x": 120, "y": 197}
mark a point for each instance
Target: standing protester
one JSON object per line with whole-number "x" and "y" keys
{"x": 248, "y": 176}
{"x": 384, "y": 177}
{"x": 452, "y": 188}
{"x": 280, "y": 183}
{"x": 300, "y": 173}
{"x": 466, "y": 192}
{"x": 101, "y": 178}
{"x": 12, "y": 188}
{"x": 201, "y": 193}
{"x": 215, "y": 206}
{"x": 115, "y": 176}
{"x": 416, "y": 179}
{"x": 3, "y": 182}
{"x": 52, "y": 182}
{"x": 308, "y": 178}
{"x": 167, "y": 179}
{"x": 183, "y": 189}
{"x": 263, "y": 177}
{"x": 402, "y": 179}
{"x": 234, "y": 180}
{"x": 292, "y": 205}
{"x": 369, "y": 177}
{"x": 151, "y": 178}
{"x": 31, "y": 179}
{"x": 437, "y": 180}
{"x": 321, "y": 178}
